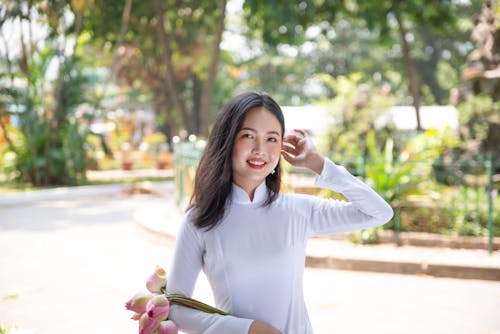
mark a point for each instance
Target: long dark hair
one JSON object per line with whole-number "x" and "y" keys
{"x": 213, "y": 180}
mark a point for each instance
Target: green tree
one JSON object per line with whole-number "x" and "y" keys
{"x": 171, "y": 50}
{"x": 440, "y": 55}
{"x": 46, "y": 84}
{"x": 354, "y": 110}
{"x": 278, "y": 23}
{"x": 284, "y": 76}
{"x": 405, "y": 16}
{"x": 479, "y": 120}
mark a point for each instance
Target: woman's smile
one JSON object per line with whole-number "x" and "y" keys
{"x": 256, "y": 163}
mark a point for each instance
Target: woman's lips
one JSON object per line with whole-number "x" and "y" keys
{"x": 256, "y": 164}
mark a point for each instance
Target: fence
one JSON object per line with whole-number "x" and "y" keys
{"x": 186, "y": 158}
{"x": 453, "y": 198}
{"x": 457, "y": 199}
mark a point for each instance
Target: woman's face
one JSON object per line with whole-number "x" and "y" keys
{"x": 256, "y": 149}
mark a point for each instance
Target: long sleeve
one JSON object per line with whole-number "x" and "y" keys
{"x": 183, "y": 273}
{"x": 364, "y": 209}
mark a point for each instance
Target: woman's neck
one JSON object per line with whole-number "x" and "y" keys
{"x": 249, "y": 188}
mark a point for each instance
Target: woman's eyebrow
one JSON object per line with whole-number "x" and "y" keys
{"x": 249, "y": 129}
{"x": 268, "y": 132}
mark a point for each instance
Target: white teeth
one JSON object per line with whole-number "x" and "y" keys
{"x": 259, "y": 163}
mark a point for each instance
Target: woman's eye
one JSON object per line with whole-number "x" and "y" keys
{"x": 273, "y": 140}
{"x": 248, "y": 135}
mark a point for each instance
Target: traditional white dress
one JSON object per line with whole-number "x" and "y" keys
{"x": 254, "y": 259}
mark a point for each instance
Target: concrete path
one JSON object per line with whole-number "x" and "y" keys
{"x": 67, "y": 265}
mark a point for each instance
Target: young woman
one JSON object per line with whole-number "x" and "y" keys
{"x": 249, "y": 239}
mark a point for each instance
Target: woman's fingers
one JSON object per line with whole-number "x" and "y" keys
{"x": 294, "y": 140}
{"x": 302, "y": 132}
{"x": 291, "y": 139}
{"x": 292, "y": 154}
{"x": 295, "y": 147}
{"x": 290, "y": 149}
{"x": 288, "y": 157}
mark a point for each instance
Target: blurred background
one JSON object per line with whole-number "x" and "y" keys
{"x": 405, "y": 94}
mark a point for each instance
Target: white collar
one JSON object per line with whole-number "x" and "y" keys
{"x": 240, "y": 196}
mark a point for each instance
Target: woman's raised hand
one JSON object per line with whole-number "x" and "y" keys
{"x": 299, "y": 150}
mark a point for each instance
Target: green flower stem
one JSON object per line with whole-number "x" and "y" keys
{"x": 192, "y": 303}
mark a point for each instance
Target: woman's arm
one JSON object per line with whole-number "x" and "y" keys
{"x": 182, "y": 276}
{"x": 262, "y": 328}
{"x": 365, "y": 207}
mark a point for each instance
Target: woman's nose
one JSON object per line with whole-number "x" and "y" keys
{"x": 257, "y": 148}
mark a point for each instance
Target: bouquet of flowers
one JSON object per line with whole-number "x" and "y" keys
{"x": 152, "y": 308}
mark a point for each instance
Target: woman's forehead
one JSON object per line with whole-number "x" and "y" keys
{"x": 262, "y": 118}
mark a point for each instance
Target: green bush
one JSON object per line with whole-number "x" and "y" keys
{"x": 4, "y": 329}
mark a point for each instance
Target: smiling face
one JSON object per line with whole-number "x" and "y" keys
{"x": 256, "y": 150}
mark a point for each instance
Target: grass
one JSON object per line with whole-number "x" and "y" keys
{"x": 6, "y": 187}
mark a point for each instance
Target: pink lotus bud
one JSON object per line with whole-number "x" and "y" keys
{"x": 147, "y": 325}
{"x": 158, "y": 307}
{"x": 167, "y": 327}
{"x": 138, "y": 302}
{"x": 157, "y": 281}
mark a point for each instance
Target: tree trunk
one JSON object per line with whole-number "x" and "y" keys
{"x": 114, "y": 59}
{"x": 208, "y": 89}
{"x": 197, "y": 89}
{"x": 172, "y": 88}
{"x": 410, "y": 69}
{"x": 6, "y": 135}
{"x": 429, "y": 76}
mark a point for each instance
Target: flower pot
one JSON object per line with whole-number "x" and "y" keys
{"x": 161, "y": 164}
{"x": 127, "y": 165}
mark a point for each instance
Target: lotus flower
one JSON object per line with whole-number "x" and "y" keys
{"x": 152, "y": 309}
{"x": 167, "y": 327}
{"x": 158, "y": 307}
{"x": 138, "y": 302}
{"x": 147, "y": 325}
{"x": 157, "y": 281}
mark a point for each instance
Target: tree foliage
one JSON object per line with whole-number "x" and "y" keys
{"x": 354, "y": 111}
{"x": 45, "y": 85}
{"x": 170, "y": 50}
{"x": 480, "y": 127}
{"x": 415, "y": 38}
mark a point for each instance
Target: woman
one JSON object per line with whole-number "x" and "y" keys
{"x": 249, "y": 239}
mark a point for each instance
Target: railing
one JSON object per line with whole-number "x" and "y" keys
{"x": 454, "y": 198}
{"x": 186, "y": 158}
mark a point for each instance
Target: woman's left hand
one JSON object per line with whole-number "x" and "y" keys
{"x": 299, "y": 150}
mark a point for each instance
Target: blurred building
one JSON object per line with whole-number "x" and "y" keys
{"x": 404, "y": 118}
{"x": 317, "y": 119}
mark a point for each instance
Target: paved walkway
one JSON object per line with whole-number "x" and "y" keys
{"x": 69, "y": 260}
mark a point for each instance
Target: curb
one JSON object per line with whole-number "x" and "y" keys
{"x": 422, "y": 239}
{"x": 407, "y": 268}
{"x": 60, "y": 193}
{"x": 23, "y": 198}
